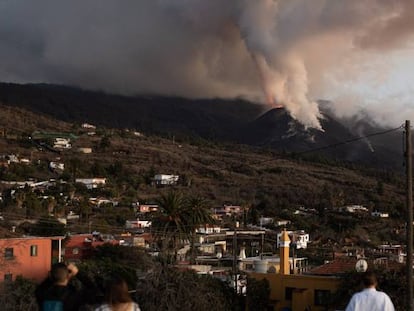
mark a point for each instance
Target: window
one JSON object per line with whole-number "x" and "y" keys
{"x": 33, "y": 250}
{"x": 8, "y": 277}
{"x": 288, "y": 293}
{"x": 322, "y": 297}
{"x": 8, "y": 253}
{"x": 75, "y": 251}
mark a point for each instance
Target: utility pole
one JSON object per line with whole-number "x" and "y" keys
{"x": 235, "y": 255}
{"x": 409, "y": 173}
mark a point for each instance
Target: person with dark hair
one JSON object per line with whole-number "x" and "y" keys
{"x": 117, "y": 297}
{"x": 369, "y": 299}
{"x": 56, "y": 293}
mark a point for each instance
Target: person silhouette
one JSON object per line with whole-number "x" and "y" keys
{"x": 117, "y": 297}
{"x": 369, "y": 299}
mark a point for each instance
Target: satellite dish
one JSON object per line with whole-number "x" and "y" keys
{"x": 361, "y": 265}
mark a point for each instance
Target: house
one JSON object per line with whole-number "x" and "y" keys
{"x": 233, "y": 210}
{"x": 379, "y": 214}
{"x": 24, "y": 161}
{"x": 299, "y": 238}
{"x": 81, "y": 246}
{"x": 282, "y": 222}
{"x": 266, "y": 221}
{"x": 355, "y": 209}
{"x": 253, "y": 240}
{"x": 91, "y": 183}
{"x": 297, "y": 265}
{"x": 62, "y": 143}
{"x": 294, "y": 291}
{"x": 85, "y": 150}
{"x": 57, "y": 166}
{"x": 72, "y": 216}
{"x": 101, "y": 201}
{"x": 344, "y": 264}
{"x": 137, "y": 224}
{"x": 12, "y": 158}
{"x": 208, "y": 229}
{"x": 393, "y": 251}
{"x": 164, "y": 179}
{"x": 88, "y": 126}
{"x": 30, "y": 257}
{"x": 145, "y": 208}
{"x": 226, "y": 210}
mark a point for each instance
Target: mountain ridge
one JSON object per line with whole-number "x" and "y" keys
{"x": 220, "y": 120}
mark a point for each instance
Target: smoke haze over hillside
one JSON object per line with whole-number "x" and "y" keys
{"x": 288, "y": 52}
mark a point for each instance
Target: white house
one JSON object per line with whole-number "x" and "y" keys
{"x": 12, "y": 158}
{"x": 164, "y": 179}
{"x": 380, "y": 214}
{"x": 57, "y": 166}
{"x": 24, "y": 161}
{"x": 265, "y": 221}
{"x": 88, "y": 126}
{"x": 86, "y": 150}
{"x": 91, "y": 183}
{"x": 100, "y": 201}
{"x": 355, "y": 208}
{"x": 134, "y": 224}
{"x": 62, "y": 143}
{"x": 300, "y": 238}
{"x": 282, "y": 222}
{"x": 208, "y": 229}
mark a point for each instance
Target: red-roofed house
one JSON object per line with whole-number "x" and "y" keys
{"x": 81, "y": 246}
{"x": 342, "y": 265}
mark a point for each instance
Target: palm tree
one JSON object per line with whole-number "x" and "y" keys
{"x": 196, "y": 215}
{"x": 169, "y": 225}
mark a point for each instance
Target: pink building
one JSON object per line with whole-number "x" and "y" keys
{"x": 30, "y": 257}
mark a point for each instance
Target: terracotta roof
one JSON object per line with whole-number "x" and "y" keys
{"x": 336, "y": 266}
{"x": 87, "y": 240}
{"x": 346, "y": 264}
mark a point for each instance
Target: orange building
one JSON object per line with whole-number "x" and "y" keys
{"x": 30, "y": 257}
{"x": 296, "y": 291}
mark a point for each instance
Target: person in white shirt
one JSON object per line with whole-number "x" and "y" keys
{"x": 369, "y": 299}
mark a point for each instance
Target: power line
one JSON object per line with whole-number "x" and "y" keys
{"x": 344, "y": 142}
{"x": 348, "y": 141}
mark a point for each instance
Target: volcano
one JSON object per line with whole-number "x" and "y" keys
{"x": 219, "y": 120}
{"x": 276, "y": 129}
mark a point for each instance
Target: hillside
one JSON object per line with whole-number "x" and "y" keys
{"x": 218, "y": 120}
{"x": 271, "y": 183}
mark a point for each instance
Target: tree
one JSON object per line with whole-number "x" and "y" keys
{"x": 258, "y": 294}
{"x": 380, "y": 187}
{"x": 109, "y": 260}
{"x": 74, "y": 167}
{"x": 85, "y": 210}
{"x": 105, "y": 143}
{"x": 48, "y": 226}
{"x": 18, "y": 295}
{"x": 167, "y": 288}
{"x": 196, "y": 213}
{"x": 169, "y": 224}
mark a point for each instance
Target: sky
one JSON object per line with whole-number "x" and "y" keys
{"x": 358, "y": 54}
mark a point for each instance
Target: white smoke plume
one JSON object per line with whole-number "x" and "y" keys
{"x": 292, "y": 51}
